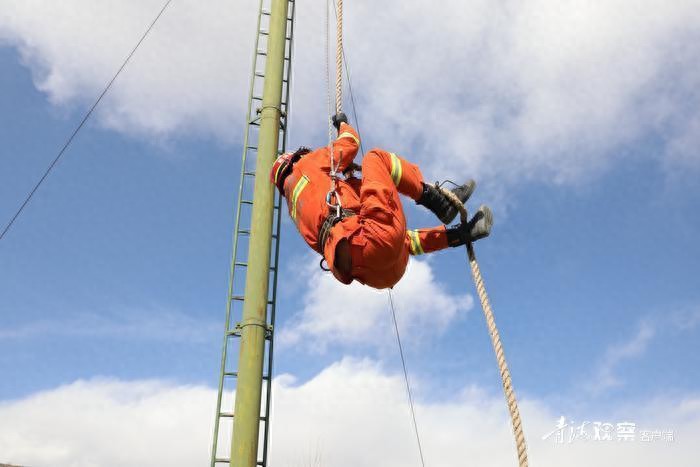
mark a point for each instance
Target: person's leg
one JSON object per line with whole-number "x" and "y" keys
{"x": 408, "y": 180}
{"x": 390, "y": 169}
{"x": 422, "y": 241}
{"x": 379, "y": 254}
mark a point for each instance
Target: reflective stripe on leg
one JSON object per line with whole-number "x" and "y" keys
{"x": 416, "y": 247}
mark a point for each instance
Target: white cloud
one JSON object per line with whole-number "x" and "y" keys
{"x": 531, "y": 89}
{"x": 189, "y": 75}
{"x": 605, "y": 377}
{"x": 108, "y": 423}
{"x": 352, "y": 413}
{"x": 356, "y": 314}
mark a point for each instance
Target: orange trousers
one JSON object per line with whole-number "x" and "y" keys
{"x": 381, "y": 244}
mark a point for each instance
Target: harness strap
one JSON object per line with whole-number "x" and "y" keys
{"x": 332, "y": 219}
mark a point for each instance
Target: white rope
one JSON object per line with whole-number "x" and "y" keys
{"x": 332, "y": 198}
{"x": 328, "y": 74}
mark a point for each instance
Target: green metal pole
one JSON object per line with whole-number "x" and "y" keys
{"x": 253, "y": 327}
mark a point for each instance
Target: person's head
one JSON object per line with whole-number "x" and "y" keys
{"x": 283, "y": 166}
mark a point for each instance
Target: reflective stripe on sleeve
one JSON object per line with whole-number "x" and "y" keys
{"x": 396, "y": 169}
{"x": 298, "y": 188}
{"x": 416, "y": 247}
{"x": 347, "y": 134}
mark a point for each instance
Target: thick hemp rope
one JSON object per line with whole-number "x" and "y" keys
{"x": 495, "y": 340}
{"x": 339, "y": 58}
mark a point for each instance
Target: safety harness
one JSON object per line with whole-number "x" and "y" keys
{"x": 332, "y": 219}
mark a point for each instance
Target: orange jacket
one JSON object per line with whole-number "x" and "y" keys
{"x": 306, "y": 186}
{"x": 379, "y": 243}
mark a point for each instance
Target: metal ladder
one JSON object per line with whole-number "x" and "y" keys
{"x": 223, "y": 425}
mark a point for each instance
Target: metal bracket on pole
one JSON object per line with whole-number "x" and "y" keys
{"x": 238, "y": 329}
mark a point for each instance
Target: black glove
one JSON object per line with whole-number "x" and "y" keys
{"x": 339, "y": 118}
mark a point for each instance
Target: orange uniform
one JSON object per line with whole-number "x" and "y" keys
{"x": 377, "y": 235}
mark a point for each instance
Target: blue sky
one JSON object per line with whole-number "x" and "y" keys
{"x": 118, "y": 268}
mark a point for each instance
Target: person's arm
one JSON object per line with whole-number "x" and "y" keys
{"x": 345, "y": 147}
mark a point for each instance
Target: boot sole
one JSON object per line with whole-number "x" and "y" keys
{"x": 463, "y": 197}
{"x": 482, "y": 227}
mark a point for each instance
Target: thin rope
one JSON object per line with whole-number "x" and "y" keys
{"x": 405, "y": 375}
{"x": 82, "y": 123}
{"x": 495, "y": 341}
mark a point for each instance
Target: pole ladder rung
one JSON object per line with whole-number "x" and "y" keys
{"x": 247, "y": 232}
{"x": 234, "y": 374}
{"x": 259, "y": 98}
{"x": 267, "y": 13}
{"x": 240, "y": 298}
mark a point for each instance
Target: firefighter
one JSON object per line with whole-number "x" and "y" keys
{"x": 364, "y": 238}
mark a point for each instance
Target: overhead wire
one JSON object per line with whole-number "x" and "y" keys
{"x": 82, "y": 123}
{"x": 405, "y": 375}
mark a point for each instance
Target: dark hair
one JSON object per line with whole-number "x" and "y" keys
{"x": 303, "y": 150}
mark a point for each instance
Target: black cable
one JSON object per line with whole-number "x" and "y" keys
{"x": 82, "y": 122}
{"x": 405, "y": 375}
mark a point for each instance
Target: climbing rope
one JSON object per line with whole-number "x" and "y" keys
{"x": 339, "y": 58}
{"x": 476, "y": 273}
{"x": 495, "y": 341}
{"x": 339, "y": 61}
{"x": 332, "y": 198}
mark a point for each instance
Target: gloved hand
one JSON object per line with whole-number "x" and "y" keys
{"x": 353, "y": 167}
{"x": 339, "y": 118}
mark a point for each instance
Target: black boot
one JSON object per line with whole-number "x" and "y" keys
{"x": 433, "y": 199}
{"x": 477, "y": 228}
